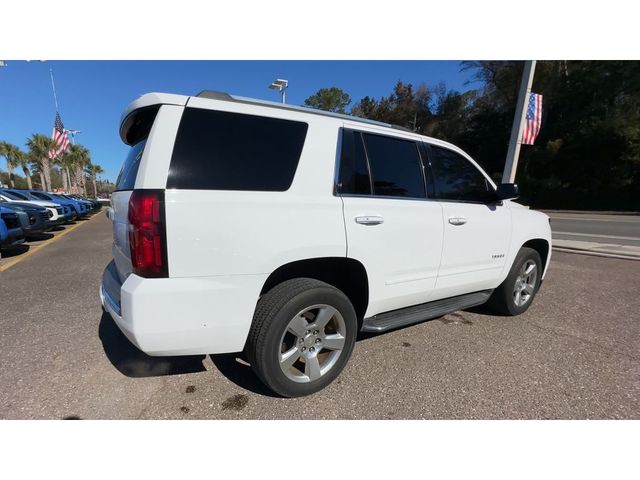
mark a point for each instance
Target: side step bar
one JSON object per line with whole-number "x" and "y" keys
{"x": 424, "y": 311}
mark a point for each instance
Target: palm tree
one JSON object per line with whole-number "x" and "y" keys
{"x": 23, "y": 161}
{"x": 8, "y": 151}
{"x": 93, "y": 171}
{"x": 39, "y": 148}
{"x": 79, "y": 158}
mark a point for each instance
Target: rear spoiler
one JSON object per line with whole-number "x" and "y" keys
{"x": 145, "y": 102}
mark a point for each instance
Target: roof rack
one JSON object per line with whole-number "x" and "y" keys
{"x": 216, "y": 95}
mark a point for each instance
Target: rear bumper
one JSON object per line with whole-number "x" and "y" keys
{"x": 182, "y": 316}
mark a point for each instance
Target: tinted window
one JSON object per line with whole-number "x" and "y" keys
{"x": 231, "y": 151}
{"x": 395, "y": 166}
{"x": 14, "y": 195}
{"x": 354, "y": 173}
{"x": 456, "y": 178}
{"x": 41, "y": 196}
{"x": 127, "y": 176}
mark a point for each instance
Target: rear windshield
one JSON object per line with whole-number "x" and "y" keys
{"x": 231, "y": 151}
{"x": 137, "y": 127}
{"x": 127, "y": 176}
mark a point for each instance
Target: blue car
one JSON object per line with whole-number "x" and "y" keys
{"x": 88, "y": 205}
{"x": 72, "y": 210}
{"x": 10, "y": 232}
{"x": 80, "y": 208}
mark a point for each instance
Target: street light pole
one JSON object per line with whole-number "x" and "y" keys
{"x": 511, "y": 164}
{"x": 281, "y": 85}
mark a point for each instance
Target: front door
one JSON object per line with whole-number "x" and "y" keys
{"x": 477, "y": 228}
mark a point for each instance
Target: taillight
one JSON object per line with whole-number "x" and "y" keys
{"x": 147, "y": 234}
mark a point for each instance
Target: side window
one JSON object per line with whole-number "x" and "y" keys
{"x": 217, "y": 150}
{"x": 354, "y": 172}
{"x": 395, "y": 166}
{"x": 455, "y": 178}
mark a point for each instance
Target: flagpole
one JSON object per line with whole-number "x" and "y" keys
{"x": 511, "y": 164}
{"x": 53, "y": 87}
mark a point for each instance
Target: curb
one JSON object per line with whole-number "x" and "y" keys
{"x": 590, "y": 212}
{"x": 595, "y": 254}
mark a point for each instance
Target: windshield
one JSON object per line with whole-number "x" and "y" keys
{"x": 40, "y": 195}
{"x": 14, "y": 195}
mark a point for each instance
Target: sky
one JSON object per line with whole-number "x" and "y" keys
{"x": 93, "y": 94}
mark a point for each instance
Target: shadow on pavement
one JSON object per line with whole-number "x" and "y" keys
{"x": 133, "y": 363}
{"x": 15, "y": 251}
{"x": 38, "y": 237}
{"x": 240, "y": 373}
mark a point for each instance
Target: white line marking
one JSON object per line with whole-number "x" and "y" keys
{"x": 596, "y": 235}
{"x": 592, "y": 219}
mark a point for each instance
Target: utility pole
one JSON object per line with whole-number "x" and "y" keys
{"x": 511, "y": 164}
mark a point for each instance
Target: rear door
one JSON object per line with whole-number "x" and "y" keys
{"x": 392, "y": 227}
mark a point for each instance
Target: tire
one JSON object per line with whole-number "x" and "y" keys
{"x": 505, "y": 299}
{"x": 306, "y": 319}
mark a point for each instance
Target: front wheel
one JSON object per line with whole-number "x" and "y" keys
{"x": 302, "y": 336}
{"x": 515, "y": 295}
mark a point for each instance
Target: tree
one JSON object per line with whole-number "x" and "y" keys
{"x": 329, "y": 99}
{"x": 11, "y": 153}
{"x": 93, "y": 171}
{"x": 79, "y": 158}
{"x": 405, "y": 107}
{"x": 23, "y": 161}
{"x": 39, "y": 147}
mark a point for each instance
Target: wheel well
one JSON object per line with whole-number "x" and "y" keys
{"x": 542, "y": 247}
{"x": 346, "y": 274}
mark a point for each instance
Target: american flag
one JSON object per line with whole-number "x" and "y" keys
{"x": 534, "y": 117}
{"x": 60, "y": 137}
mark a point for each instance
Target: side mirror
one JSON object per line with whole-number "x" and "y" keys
{"x": 507, "y": 191}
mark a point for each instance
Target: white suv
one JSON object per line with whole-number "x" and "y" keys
{"x": 281, "y": 231}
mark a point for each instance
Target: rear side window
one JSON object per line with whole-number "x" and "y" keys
{"x": 395, "y": 166}
{"x": 456, "y": 178}
{"x": 127, "y": 176}
{"x": 231, "y": 151}
{"x": 354, "y": 172}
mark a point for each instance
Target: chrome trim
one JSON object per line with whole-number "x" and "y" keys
{"x": 114, "y": 306}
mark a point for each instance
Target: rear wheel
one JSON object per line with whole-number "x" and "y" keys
{"x": 302, "y": 336}
{"x": 515, "y": 295}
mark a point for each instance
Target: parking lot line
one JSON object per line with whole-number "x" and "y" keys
{"x": 35, "y": 248}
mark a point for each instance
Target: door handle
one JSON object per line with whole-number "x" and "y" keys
{"x": 457, "y": 220}
{"x": 369, "y": 220}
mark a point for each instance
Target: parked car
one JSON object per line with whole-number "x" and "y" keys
{"x": 80, "y": 208}
{"x": 91, "y": 204}
{"x": 319, "y": 225}
{"x": 87, "y": 205}
{"x": 34, "y": 220}
{"x": 57, "y": 210}
{"x": 70, "y": 212}
{"x": 10, "y": 232}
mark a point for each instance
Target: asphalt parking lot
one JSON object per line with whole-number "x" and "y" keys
{"x": 573, "y": 354}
